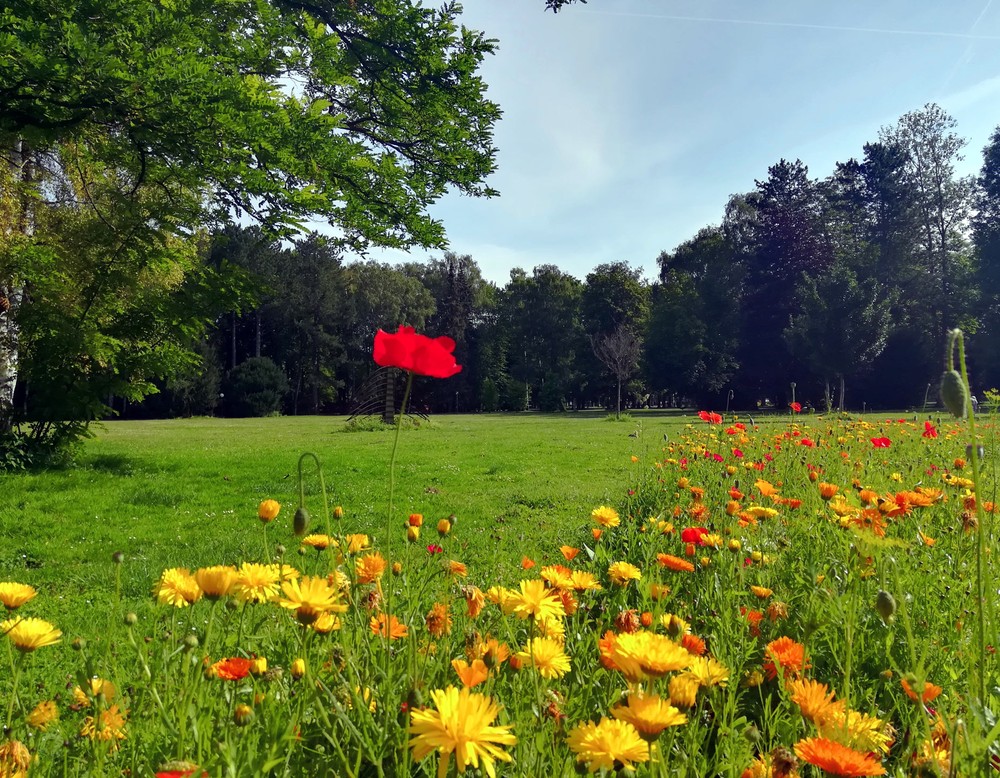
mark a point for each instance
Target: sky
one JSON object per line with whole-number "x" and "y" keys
{"x": 628, "y": 124}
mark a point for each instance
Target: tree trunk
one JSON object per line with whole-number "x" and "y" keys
{"x": 826, "y": 396}
{"x": 618, "y": 408}
{"x": 232, "y": 363}
{"x": 12, "y": 289}
{"x": 841, "y": 399}
{"x": 256, "y": 350}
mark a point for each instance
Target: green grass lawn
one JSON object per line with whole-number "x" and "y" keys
{"x": 185, "y": 492}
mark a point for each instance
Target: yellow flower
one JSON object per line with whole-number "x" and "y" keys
{"x": 177, "y": 587}
{"x": 268, "y": 510}
{"x": 15, "y": 759}
{"x": 319, "y": 542}
{"x": 649, "y": 714}
{"x": 583, "y": 581}
{"x": 640, "y": 655}
{"x": 310, "y": 597}
{"x": 43, "y": 714}
{"x": 216, "y": 581}
{"x": 684, "y": 690}
{"x": 98, "y": 688}
{"x": 14, "y": 595}
{"x": 856, "y": 730}
{"x": 605, "y": 516}
{"x": 460, "y": 723}
{"x": 609, "y": 745}
{"x": 709, "y": 671}
{"x": 814, "y": 699}
{"x": 369, "y": 568}
{"x": 325, "y": 623}
{"x": 557, "y": 576}
{"x": 506, "y": 598}
{"x": 109, "y": 726}
{"x": 534, "y": 600}
{"x": 760, "y": 512}
{"x": 256, "y": 582}
{"x": 761, "y": 591}
{"x": 621, "y": 573}
{"x": 356, "y": 543}
{"x": 456, "y": 568}
{"x": 298, "y": 668}
{"x": 547, "y": 656}
{"x": 29, "y": 634}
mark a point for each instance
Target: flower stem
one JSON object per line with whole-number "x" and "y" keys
{"x": 392, "y": 461}
{"x": 959, "y": 340}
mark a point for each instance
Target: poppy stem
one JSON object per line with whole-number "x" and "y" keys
{"x": 392, "y": 460}
{"x": 958, "y": 339}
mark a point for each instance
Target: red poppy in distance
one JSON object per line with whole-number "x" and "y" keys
{"x": 881, "y": 442}
{"x": 796, "y": 407}
{"x": 930, "y": 431}
{"x": 406, "y": 349}
{"x": 710, "y": 417}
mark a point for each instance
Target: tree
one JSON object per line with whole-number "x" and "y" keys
{"x": 619, "y": 352}
{"x": 841, "y": 329}
{"x": 986, "y": 235}
{"x": 356, "y": 113}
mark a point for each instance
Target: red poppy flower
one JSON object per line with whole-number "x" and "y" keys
{"x": 711, "y": 418}
{"x": 796, "y": 407}
{"x": 406, "y": 349}
{"x": 930, "y": 431}
{"x": 881, "y": 442}
{"x": 693, "y": 534}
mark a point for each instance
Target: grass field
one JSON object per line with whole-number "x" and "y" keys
{"x": 767, "y": 592}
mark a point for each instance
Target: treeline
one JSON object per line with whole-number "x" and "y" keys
{"x": 844, "y": 286}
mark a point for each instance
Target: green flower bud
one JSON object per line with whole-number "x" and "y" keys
{"x": 885, "y": 604}
{"x": 954, "y": 393}
{"x": 301, "y": 521}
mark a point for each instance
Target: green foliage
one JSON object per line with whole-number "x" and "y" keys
{"x": 256, "y": 387}
{"x": 489, "y": 398}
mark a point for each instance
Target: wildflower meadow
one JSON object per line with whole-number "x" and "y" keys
{"x": 786, "y": 596}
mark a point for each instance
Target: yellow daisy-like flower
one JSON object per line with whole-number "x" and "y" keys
{"x": 605, "y": 516}
{"x": 43, "y": 714}
{"x": 15, "y": 759}
{"x": 109, "y": 726}
{"x": 325, "y": 623}
{"x": 319, "y": 542}
{"x": 583, "y": 581}
{"x": 536, "y": 601}
{"x": 98, "y": 687}
{"x": 369, "y": 568}
{"x": 761, "y": 591}
{"x": 217, "y": 581}
{"x": 684, "y": 690}
{"x": 310, "y": 597}
{"x": 461, "y": 722}
{"x": 621, "y": 573}
{"x": 14, "y": 595}
{"x": 649, "y": 714}
{"x": 610, "y": 745}
{"x": 256, "y": 582}
{"x": 557, "y": 576}
{"x": 177, "y": 587}
{"x": 712, "y": 540}
{"x": 547, "y": 656}
{"x": 29, "y": 634}
{"x": 856, "y": 730}
{"x": 641, "y": 655}
{"x": 709, "y": 671}
{"x": 357, "y": 543}
{"x": 760, "y": 512}
{"x": 552, "y": 628}
{"x": 506, "y": 598}
{"x": 268, "y": 510}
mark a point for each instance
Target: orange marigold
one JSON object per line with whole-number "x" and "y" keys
{"x": 786, "y": 654}
{"x": 675, "y": 563}
{"x": 837, "y": 759}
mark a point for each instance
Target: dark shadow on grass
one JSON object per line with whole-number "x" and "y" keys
{"x": 119, "y": 464}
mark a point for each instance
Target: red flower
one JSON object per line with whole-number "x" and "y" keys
{"x": 881, "y": 442}
{"x": 711, "y": 418}
{"x": 930, "y": 431}
{"x": 232, "y": 669}
{"x": 693, "y": 535}
{"x": 422, "y": 355}
{"x": 796, "y": 407}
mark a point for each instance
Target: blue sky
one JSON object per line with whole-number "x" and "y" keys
{"x": 628, "y": 123}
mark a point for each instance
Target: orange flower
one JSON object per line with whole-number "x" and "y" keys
{"x": 370, "y": 567}
{"x": 837, "y": 759}
{"x": 766, "y": 488}
{"x": 268, "y": 510}
{"x": 597, "y": 532}
{"x": 930, "y": 690}
{"x": 693, "y": 644}
{"x": 232, "y": 669}
{"x": 474, "y": 600}
{"x": 526, "y": 563}
{"x": 675, "y": 563}
{"x": 389, "y": 627}
{"x": 826, "y": 491}
{"x": 761, "y": 591}
{"x": 606, "y": 647}
{"x": 415, "y": 520}
{"x": 439, "y": 620}
{"x": 814, "y": 699}
{"x": 786, "y": 654}
{"x": 471, "y": 674}
{"x": 457, "y": 568}
{"x": 569, "y": 552}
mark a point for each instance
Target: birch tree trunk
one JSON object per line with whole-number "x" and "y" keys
{"x": 19, "y": 227}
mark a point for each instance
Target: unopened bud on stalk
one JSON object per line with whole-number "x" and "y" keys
{"x": 954, "y": 394}
{"x": 301, "y": 521}
{"x": 885, "y": 604}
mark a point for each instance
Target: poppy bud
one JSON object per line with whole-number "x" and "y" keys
{"x": 301, "y": 521}
{"x": 885, "y": 604}
{"x": 954, "y": 393}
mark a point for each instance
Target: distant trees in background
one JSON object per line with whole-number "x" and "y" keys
{"x": 844, "y": 285}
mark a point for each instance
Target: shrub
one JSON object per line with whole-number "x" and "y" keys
{"x": 257, "y": 387}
